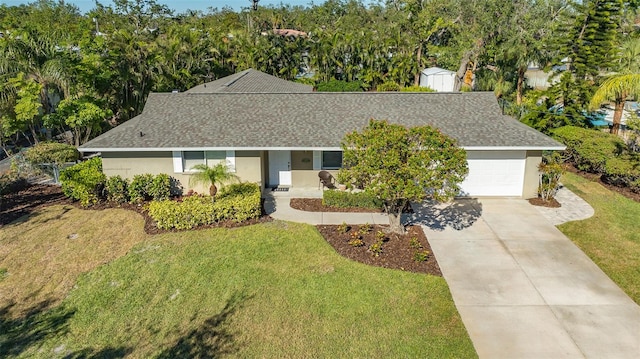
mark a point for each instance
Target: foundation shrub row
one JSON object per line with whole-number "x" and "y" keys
{"x": 345, "y": 199}
{"x": 236, "y": 202}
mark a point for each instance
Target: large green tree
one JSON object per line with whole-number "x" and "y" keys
{"x": 399, "y": 165}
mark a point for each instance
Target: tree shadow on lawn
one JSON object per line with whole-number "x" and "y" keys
{"x": 106, "y": 353}
{"x": 212, "y": 339}
{"x": 33, "y": 326}
{"x": 458, "y": 214}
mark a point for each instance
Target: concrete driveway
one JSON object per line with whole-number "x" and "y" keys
{"x": 523, "y": 289}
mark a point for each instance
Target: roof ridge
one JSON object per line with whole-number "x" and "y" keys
{"x": 242, "y": 74}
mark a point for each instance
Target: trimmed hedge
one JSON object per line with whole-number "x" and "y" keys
{"x": 602, "y": 153}
{"x": 84, "y": 182}
{"x": 622, "y": 172}
{"x": 346, "y": 199}
{"x": 236, "y": 202}
{"x": 589, "y": 149}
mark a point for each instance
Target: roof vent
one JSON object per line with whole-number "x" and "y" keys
{"x": 175, "y": 91}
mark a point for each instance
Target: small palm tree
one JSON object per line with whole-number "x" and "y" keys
{"x": 219, "y": 174}
{"x": 617, "y": 88}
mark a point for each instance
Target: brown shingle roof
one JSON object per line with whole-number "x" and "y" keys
{"x": 311, "y": 120}
{"x": 250, "y": 81}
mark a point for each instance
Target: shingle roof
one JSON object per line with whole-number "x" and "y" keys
{"x": 311, "y": 120}
{"x": 250, "y": 81}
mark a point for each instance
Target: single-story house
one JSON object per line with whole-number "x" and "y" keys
{"x": 438, "y": 79}
{"x": 284, "y": 139}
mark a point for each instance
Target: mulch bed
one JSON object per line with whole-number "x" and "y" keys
{"x": 625, "y": 191}
{"x": 397, "y": 252}
{"x": 315, "y": 205}
{"x": 27, "y": 200}
{"x": 552, "y": 203}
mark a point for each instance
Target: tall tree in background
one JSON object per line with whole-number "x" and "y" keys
{"x": 590, "y": 45}
{"x": 618, "y": 89}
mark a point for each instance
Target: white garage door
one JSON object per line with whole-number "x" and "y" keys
{"x": 495, "y": 173}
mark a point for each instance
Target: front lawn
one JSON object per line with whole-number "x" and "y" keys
{"x": 271, "y": 290}
{"x": 611, "y": 238}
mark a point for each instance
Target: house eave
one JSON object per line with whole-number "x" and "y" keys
{"x": 170, "y": 149}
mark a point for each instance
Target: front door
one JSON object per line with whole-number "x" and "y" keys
{"x": 279, "y": 168}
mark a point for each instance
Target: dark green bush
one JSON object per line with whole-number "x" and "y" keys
{"x": 589, "y": 149}
{"x": 160, "y": 188}
{"x": 116, "y": 189}
{"x": 140, "y": 188}
{"x": 239, "y": 203}
{"x": 84, "y": 182}
{"x": 621, "y": 171}
{"x": 346, "y": 199}
{"x": 339, "y": 86}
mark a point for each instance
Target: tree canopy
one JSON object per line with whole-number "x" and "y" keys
{"x": 398, "y": 165}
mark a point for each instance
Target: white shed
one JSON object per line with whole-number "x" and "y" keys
{"x": 438, "y": 79}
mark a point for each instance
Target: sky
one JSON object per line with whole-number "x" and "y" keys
{"x": 183, "y": 5}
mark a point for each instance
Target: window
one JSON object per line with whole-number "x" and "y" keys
{"x": 331, "y": 159}
{"x": 215, "y": 157}
{"x": 192, "y": 158}
{"x": 210, "y": 158}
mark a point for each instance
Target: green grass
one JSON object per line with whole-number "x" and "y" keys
{"x": 611, "y": 238}
{"x": 271, "y": 290}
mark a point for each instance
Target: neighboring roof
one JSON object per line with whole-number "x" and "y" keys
{"x": 311, "y": 120}
{"x": 251, "y": 81}
{"x": 437, "y": 70}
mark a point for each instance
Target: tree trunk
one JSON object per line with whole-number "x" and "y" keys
{"x": 394, "y": 211}
{"x": 520, "y": 85}
{"x": 416, "y": 79}
{"x": 395, "y": 222}
{"x": 617, "y": 116}
{"x": 213, "y": 190}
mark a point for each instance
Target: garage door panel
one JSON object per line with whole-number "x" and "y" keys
{"x": 495, "y": 174}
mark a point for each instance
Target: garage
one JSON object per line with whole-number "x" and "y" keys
{"x": 495, "y": 173}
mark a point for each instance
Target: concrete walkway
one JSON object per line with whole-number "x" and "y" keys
{"x": 573, "y": 208}
{"x": 522, "y": 288}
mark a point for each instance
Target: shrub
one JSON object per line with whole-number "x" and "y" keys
{"x": 343, "y": 228}
{"x": 116, "y": 189}
{"x": 550, "y": 171}
{"x": 415, "y": 243}
{"x": 417, "y": 89}
{"x": 376, "y": 248}
{"x": 365, "y": 229}
{"x": 193, "y": 211}
{"x": 388, "y": 87}
{"x": 356, "y": 242}
{"x": 237, "y": 204}
{"x": 160, "y": 187}
{"x": 84, "y": 182}
{"x": 339, "y": 86}
{"x": 421, "y": 256}
{"x": 621, "y": 171}
{"x": 140, "y": 188}
{"x": 51, "y": 152}
{"x": 588, "y": 149}
{"x": 346, "y": 199}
